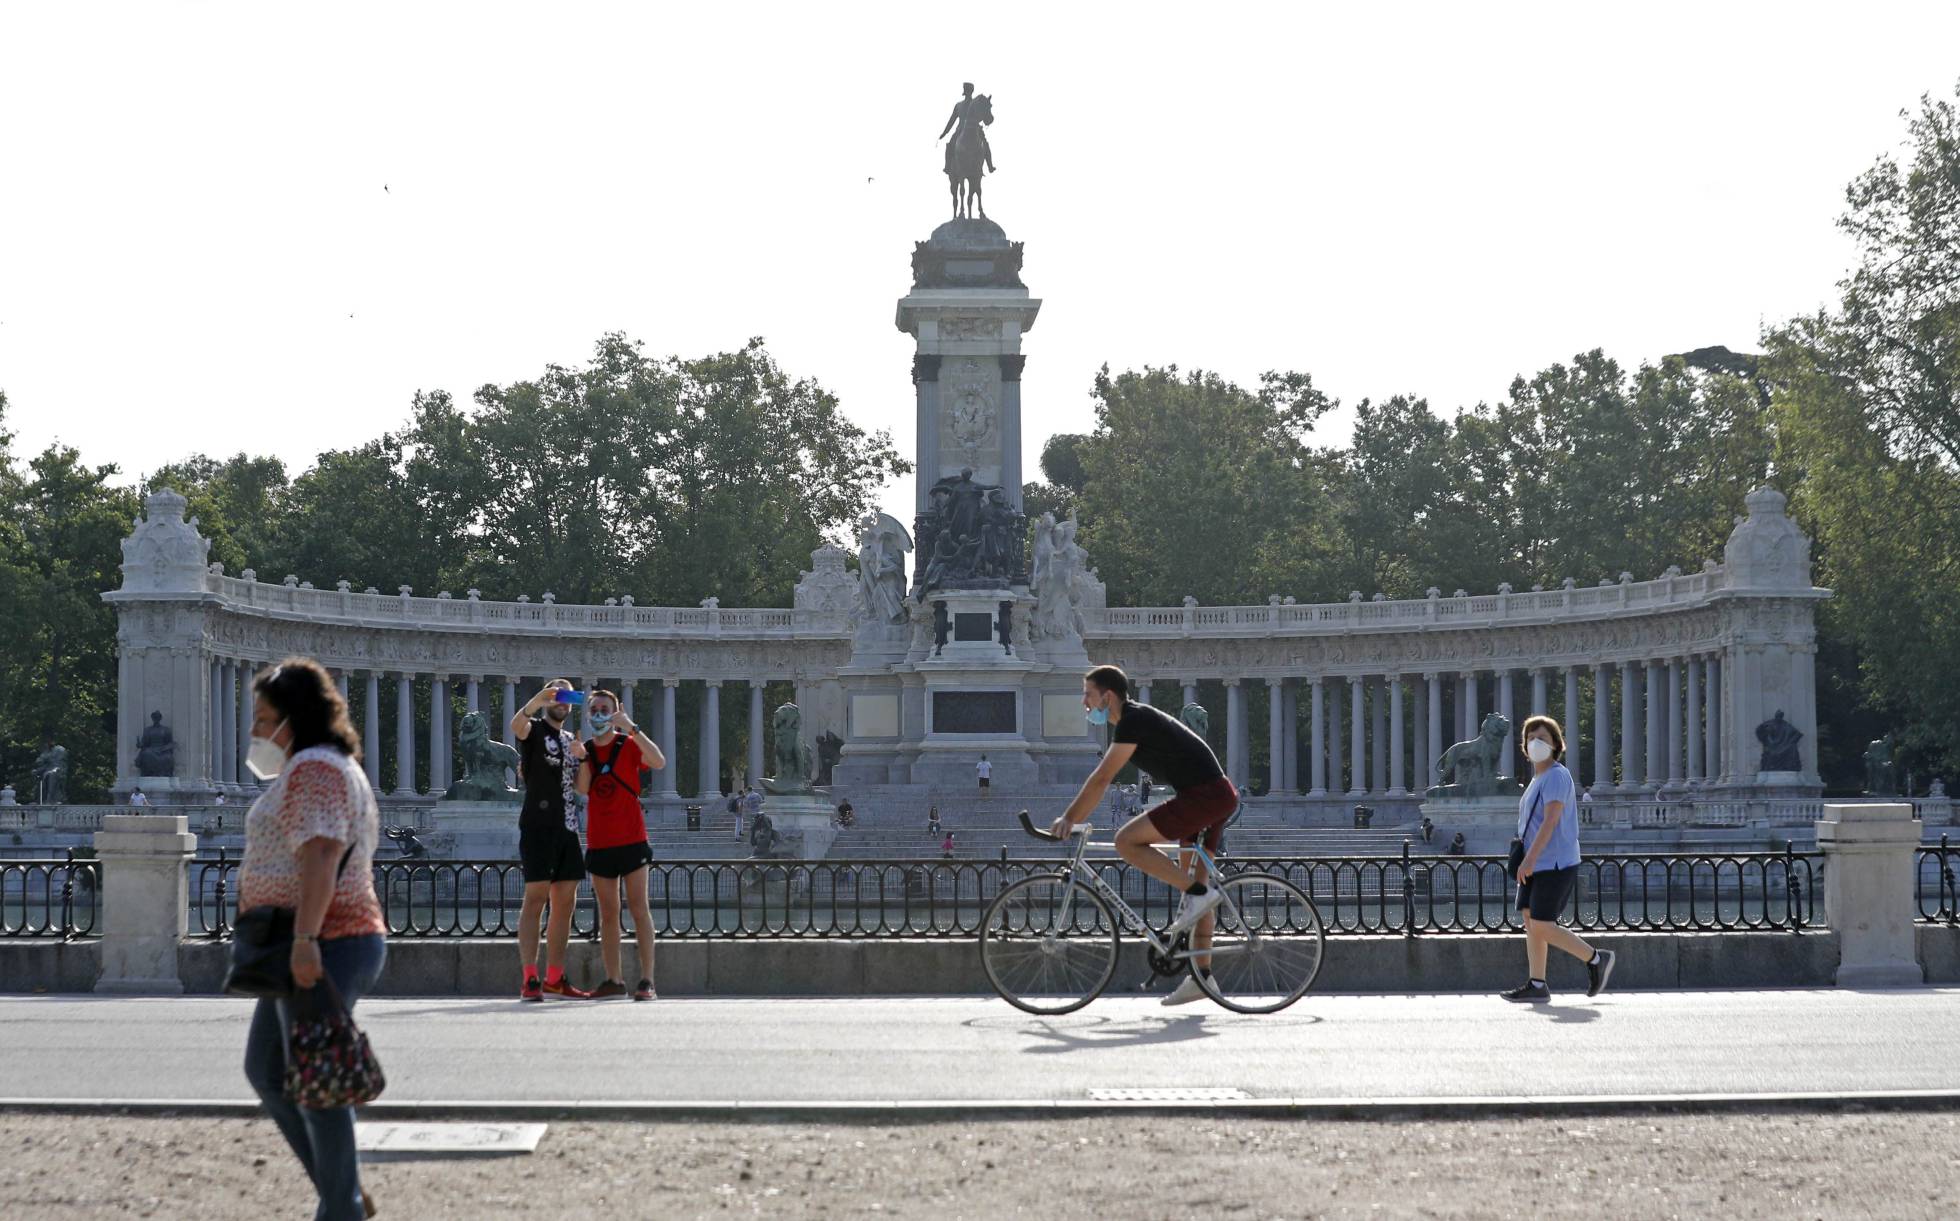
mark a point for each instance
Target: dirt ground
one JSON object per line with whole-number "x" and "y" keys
{"x": 1782, "y": 1165}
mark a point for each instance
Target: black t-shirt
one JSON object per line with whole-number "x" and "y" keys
{"x": 544, "y": 755}
{"x": 1166, "y": 747}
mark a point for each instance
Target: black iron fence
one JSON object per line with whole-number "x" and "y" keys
{"x": 50, "y": 897}
{"x": 1939, "y": 903}
{"x": 1407, "y": 895}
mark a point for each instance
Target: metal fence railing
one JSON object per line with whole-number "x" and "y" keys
{"x": 50, "y": 897}
{"x": 1406, "y": 894}
{"x": 1933, "y": 885}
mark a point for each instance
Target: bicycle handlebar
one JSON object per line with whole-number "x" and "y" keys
{"x": 1027, "y": 824}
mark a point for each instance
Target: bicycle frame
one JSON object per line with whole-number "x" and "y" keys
{"x": 1124, "y": 912}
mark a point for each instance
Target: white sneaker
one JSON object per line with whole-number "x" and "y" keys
{"x": 1192, "y": 910}
{"x": 1184, "y": 993}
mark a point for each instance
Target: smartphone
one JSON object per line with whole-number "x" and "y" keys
{"x": 569, "y": 697}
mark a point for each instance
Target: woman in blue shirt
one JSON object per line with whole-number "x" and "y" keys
{"x": 1548, "y": 824}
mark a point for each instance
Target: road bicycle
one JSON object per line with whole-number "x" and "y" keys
{"x": 1050, "y": 941}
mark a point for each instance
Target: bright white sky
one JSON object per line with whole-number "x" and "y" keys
{"x": 1424, "y": 199}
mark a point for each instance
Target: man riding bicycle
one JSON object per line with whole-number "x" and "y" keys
{"x": 1204, "y": 800}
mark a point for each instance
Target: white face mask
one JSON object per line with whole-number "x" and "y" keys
{"x": 266, "y": 758}
{"x": 1538, "y": 750}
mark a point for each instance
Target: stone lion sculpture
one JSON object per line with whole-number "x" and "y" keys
{"x": 1199, "y": 721}
{"x": 484, "y": 760}
{"x": 1469, "y": 769}
{"x": 794, "y": 767}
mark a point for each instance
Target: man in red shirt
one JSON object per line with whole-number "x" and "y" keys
{"x": 616, "y": 850}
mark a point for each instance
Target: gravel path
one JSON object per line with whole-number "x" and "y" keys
{"x": 1781, "y": 1165}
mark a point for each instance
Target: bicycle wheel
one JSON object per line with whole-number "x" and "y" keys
{"x": 1267, "y": 947}
{"x": 1048, "y": 944}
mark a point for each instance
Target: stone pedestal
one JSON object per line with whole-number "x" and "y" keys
{"x": 146, "y": 901}
{"x": 804, "y": 821}
{"x": 1868, "y": 881}
{"x": 477, "y": 830}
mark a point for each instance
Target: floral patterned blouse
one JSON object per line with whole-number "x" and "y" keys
{"x": 321, "y": 793}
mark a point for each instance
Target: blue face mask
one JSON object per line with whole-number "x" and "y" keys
{"x": 601, "y": 721}
{"x": 1098, "y": 717}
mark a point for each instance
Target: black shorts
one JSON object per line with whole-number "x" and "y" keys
{"x": 1546, "y": 892}
{"x": 620, "y": 861}
{"x": 985, "y": 783}
{"x": 550, "y": 854}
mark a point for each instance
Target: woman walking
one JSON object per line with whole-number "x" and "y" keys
{"x": 309, "y": 847}
{"x": 616, "y": 850}
{"x": 1548, "y": 828}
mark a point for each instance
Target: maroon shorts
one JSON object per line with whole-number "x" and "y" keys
{"x": 1200, "y": 811}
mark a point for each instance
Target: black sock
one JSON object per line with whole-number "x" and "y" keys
{"x": 1195, "y": 888}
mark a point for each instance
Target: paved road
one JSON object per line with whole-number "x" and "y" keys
{"x": 874, "y": 1050}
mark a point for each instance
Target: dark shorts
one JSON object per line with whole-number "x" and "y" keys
{"x": 1200, "y": 811}
{"x": 619, "y": 861}
{"x": 550, "y": 854}
{"x": 985, "y": 782}
{"x": 1546, "y": 892}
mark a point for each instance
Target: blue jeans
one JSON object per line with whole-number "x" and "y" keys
{"x": 324, "y": 1140}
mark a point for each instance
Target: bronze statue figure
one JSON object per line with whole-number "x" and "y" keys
{"x": 968, "y": 155}
{"x": 156, "y": 749}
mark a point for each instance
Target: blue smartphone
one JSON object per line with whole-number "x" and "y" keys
{"x": 570, "y": 697}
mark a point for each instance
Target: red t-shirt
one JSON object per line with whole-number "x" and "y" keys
{"x": 612, "y": 803}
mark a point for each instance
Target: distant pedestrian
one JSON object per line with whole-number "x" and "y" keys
{"x": 1457, "y": 846}
{"x": 946, "y": 847}
{"x": 1143, "y": 792}
{"x": 985, "y": 771}
{"x": 617, "y": 853}
{"x": 1428, "y": 829}
{"x": 1548, "y": 873}
{"x": 309, "y": 848}
{"x": 751, "y": 805}
{"x": 735, "y": 808}
{"x": 932, "y": 821}
{"x": 218, "y": 800}
{"x": 136, "y": 798}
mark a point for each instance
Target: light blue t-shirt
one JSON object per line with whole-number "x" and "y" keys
{"x": 1553, "y": 784}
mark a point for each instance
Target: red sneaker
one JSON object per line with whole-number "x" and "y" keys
{"x": 532, "y": 990}
{"x": 567, "y": 989}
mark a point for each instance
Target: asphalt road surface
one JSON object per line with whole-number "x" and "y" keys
{"x": 720, "y": 1051}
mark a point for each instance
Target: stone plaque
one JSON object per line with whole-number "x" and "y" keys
{"x": 973, "y": 712}
{"x": 973, "y": 625}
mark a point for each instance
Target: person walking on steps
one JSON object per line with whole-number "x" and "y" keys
{"x": 1202, "y": 801}
{"x": 985, "y": 771}
{"x": 617, "y": 853}
{"x": 547, "y": 836}
{"x": 1548, "y": 831}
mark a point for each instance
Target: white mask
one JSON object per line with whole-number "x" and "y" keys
{"x": 266, "y": 758}
{"x": 1538, "y": 750}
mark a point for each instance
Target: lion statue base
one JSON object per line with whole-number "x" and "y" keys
{"x": 794, "y": 767}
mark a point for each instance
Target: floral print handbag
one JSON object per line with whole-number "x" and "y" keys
{"x": 328, "y": 1060}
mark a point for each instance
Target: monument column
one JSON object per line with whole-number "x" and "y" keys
{"x": 1190, "y": 693}
{"x": 1143, "y": 691}
{"x": 214, "y": 737}
{"x": 1275, "y": 739}
{"x": 228, "y": 722}
{"x": 1290, "y": 723}
{"x": 1236, "y": 737}
{"x": 1358, "y": 742}
{"x": 245, "y": 701}
{"x": 438, "y": 734}
{"x": 1602, "y": 728}
{"x": 1473, "y": 707}
{"x": 1378, "y": 733}
{"x": 1539, "y": 701}
{"x": 1675, "y": 775}
{"x": 371, "y": 730}
{"x": 1712, "y": 728}
{"x": 510, "y": 710}
{"x": 1010, "y": 426}
{"x": 925, "y": 378}
{"x": 755, "y": 733}
{"x": 1318, "y": 710}
{"x": 1571, "y": 722}
{"x": 473, "y": 695}
{"x": 1695, "y": 775}
{"x": 340, "y": 682}
{"x": 1508, "y": 764}
{"x": 1395, "y": 787}
{"x": 1629, "y": 726}
{"x": 711, "y": 741}
{"x": 1336, "y": 771}
{"x": 669, "y": 740}
{"x": 1434, "y": 684}
{"x": 404, "y": 735}
{"x": 1656, "y": 732}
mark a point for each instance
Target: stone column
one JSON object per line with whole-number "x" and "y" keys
{"x": 473, "y": 694}
{"x": 755, "y": 733}
{"x": 404, "y": 735}
{"x": 146, "y": 907}
{"x": 1190, "y": 693}
{"x": 371, "y": 730}
{"x": 1358, "y": 737}
{"x": 1675, "y": 776}
{"x": 1395, "y": 786}
{"x": 1656, "y": 729}
{"x": 510, "y": 710}
{"x": 1290, "y": 723}
{"x": 1462, "y": 717}
{"x": 1010, "y": 426}
{"x": 1276, "y": 733}
{"x": 1869, "y": 855}
{"x": 669, "y": 739}
{"x": 1629, "y": 726}
{"x": 1237, "y": 739}
{"x": 1378, "y": 734}
{"x": 1693, "y": 665}
{"x": 1571, "y": 722}
{"x": 228, "y": 722}
{"x": 340, "y": 681}
{"x": 1712, "y": 729}
{"x": 711, "y": 741}
{"x": 1336, "y": 758}
{"x": 1317, "y": 737}
{"x": 1540, "y": 703}
{"x": 925, "y": 376}
{"x": 1508, "y": 762}
{"x": 626, "y": 686}
{"x": 214, "y": 706}
{"x": 438, "y": 735}
{"x": 246, "y": 702}
{"x": 1602, "y": 728}
{"x": 1473, "y": 707}
{"x": 1434, "y": 683}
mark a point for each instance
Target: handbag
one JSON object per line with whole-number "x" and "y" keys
{"x": 1516, "y": 861}
{"x": 262, "y": 948}
{"x": 329, "y": 1062}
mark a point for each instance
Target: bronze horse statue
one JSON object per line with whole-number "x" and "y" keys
{"x": 967, "y": 161}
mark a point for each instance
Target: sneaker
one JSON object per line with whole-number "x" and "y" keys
{"x": 569, "y": 990}
{"x": 1192, "y": 910}
{"x": 1528, "y": 992}
{"x": 612, "y": 987}
{"x": 1184, "y": 993}
{"x": 1599, "y": 972}
{"x": 643, "y": 991}
{"x": 533, "y": 991}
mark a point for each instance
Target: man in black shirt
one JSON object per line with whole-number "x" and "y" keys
{"x": 1204, "y": 800}
{"x": 547, "y": 836}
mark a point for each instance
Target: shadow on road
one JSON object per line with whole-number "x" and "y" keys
{"x": 1076, "y": 1033}
{"x": 1559, "y": 1013}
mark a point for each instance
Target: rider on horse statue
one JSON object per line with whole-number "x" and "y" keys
{"x": 957, "y": 118}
